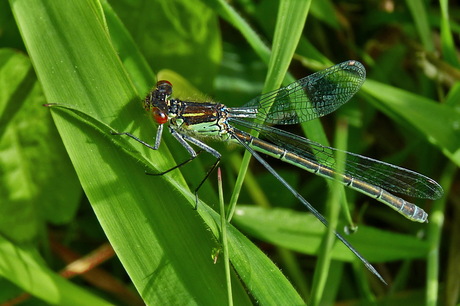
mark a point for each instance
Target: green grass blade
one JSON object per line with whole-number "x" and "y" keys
{"x": 290, "y": 23}
{"x": 301, "y": 232}
{"x": 437, "y": 122}
{"x": 433, "y": 280}
{"x": 448, "y": 46}
{"x": 23, "y": 266}
{"x": 30, "y": 156}
{"x": 143, "y": 217}
{"x": 160, "y": 240}
{"x": 223, "y": 226}
{"x": 333, "y": 211}
{"x": 286, "y": 34}
{"x": 228, "y": 13}
{"x": 419, "y": 14}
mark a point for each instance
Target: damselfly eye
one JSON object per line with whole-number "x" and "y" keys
{"x": 161, "y": 82}
{"x": 159, "y": 116}
{"x": 164, "y": 87}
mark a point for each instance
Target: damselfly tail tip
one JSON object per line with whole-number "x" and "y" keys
{"x": 374, "y": 271}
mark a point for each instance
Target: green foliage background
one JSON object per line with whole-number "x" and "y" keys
{"x": 101, "y": 58}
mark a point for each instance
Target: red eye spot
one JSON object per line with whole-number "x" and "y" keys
{"x": 159, "y": 116}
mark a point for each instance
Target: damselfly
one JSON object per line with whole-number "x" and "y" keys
{"x": 308, "y": 98}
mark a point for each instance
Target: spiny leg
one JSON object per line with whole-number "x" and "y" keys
{"x": 203, "y": 147}
{"x": 211, "y": 169}
{"x": 176, "y": 166}
{"x": 192, "y": 153}
{"x": 183, "y": 140}
{"x": 135, "y": 138}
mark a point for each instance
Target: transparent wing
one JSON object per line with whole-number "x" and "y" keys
{"x": 378, "y": 173}
{"x": 311, "y": 97}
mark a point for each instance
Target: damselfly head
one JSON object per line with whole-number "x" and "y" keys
{"x": 159, "y": 96}
{"x": 157, "y": 101}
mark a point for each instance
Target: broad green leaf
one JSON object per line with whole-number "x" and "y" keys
{"x": 33, "y": 162}
{"x": 302, "y": 232}
{"x": 23, "y": 266}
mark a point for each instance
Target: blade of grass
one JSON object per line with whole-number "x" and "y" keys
{"x": 437, "y": 217}
{"x": 332, "y": 214}
{"x": 23, "y": 266}
{"x": 158, "y": 238}
{"x": 437, "y": 122}
{"x": 290, "y": 21}
{"x": 301, "y": 232}
{"x": 448, "y": 46}
{"x": 228, "y": 13}
{"x": 30, "y": 156}
{"x": 145, "y": 219}
{"x": 419, "y": 14}
{"x": 312, "y": 128}
{"x": 223, "y": 226}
